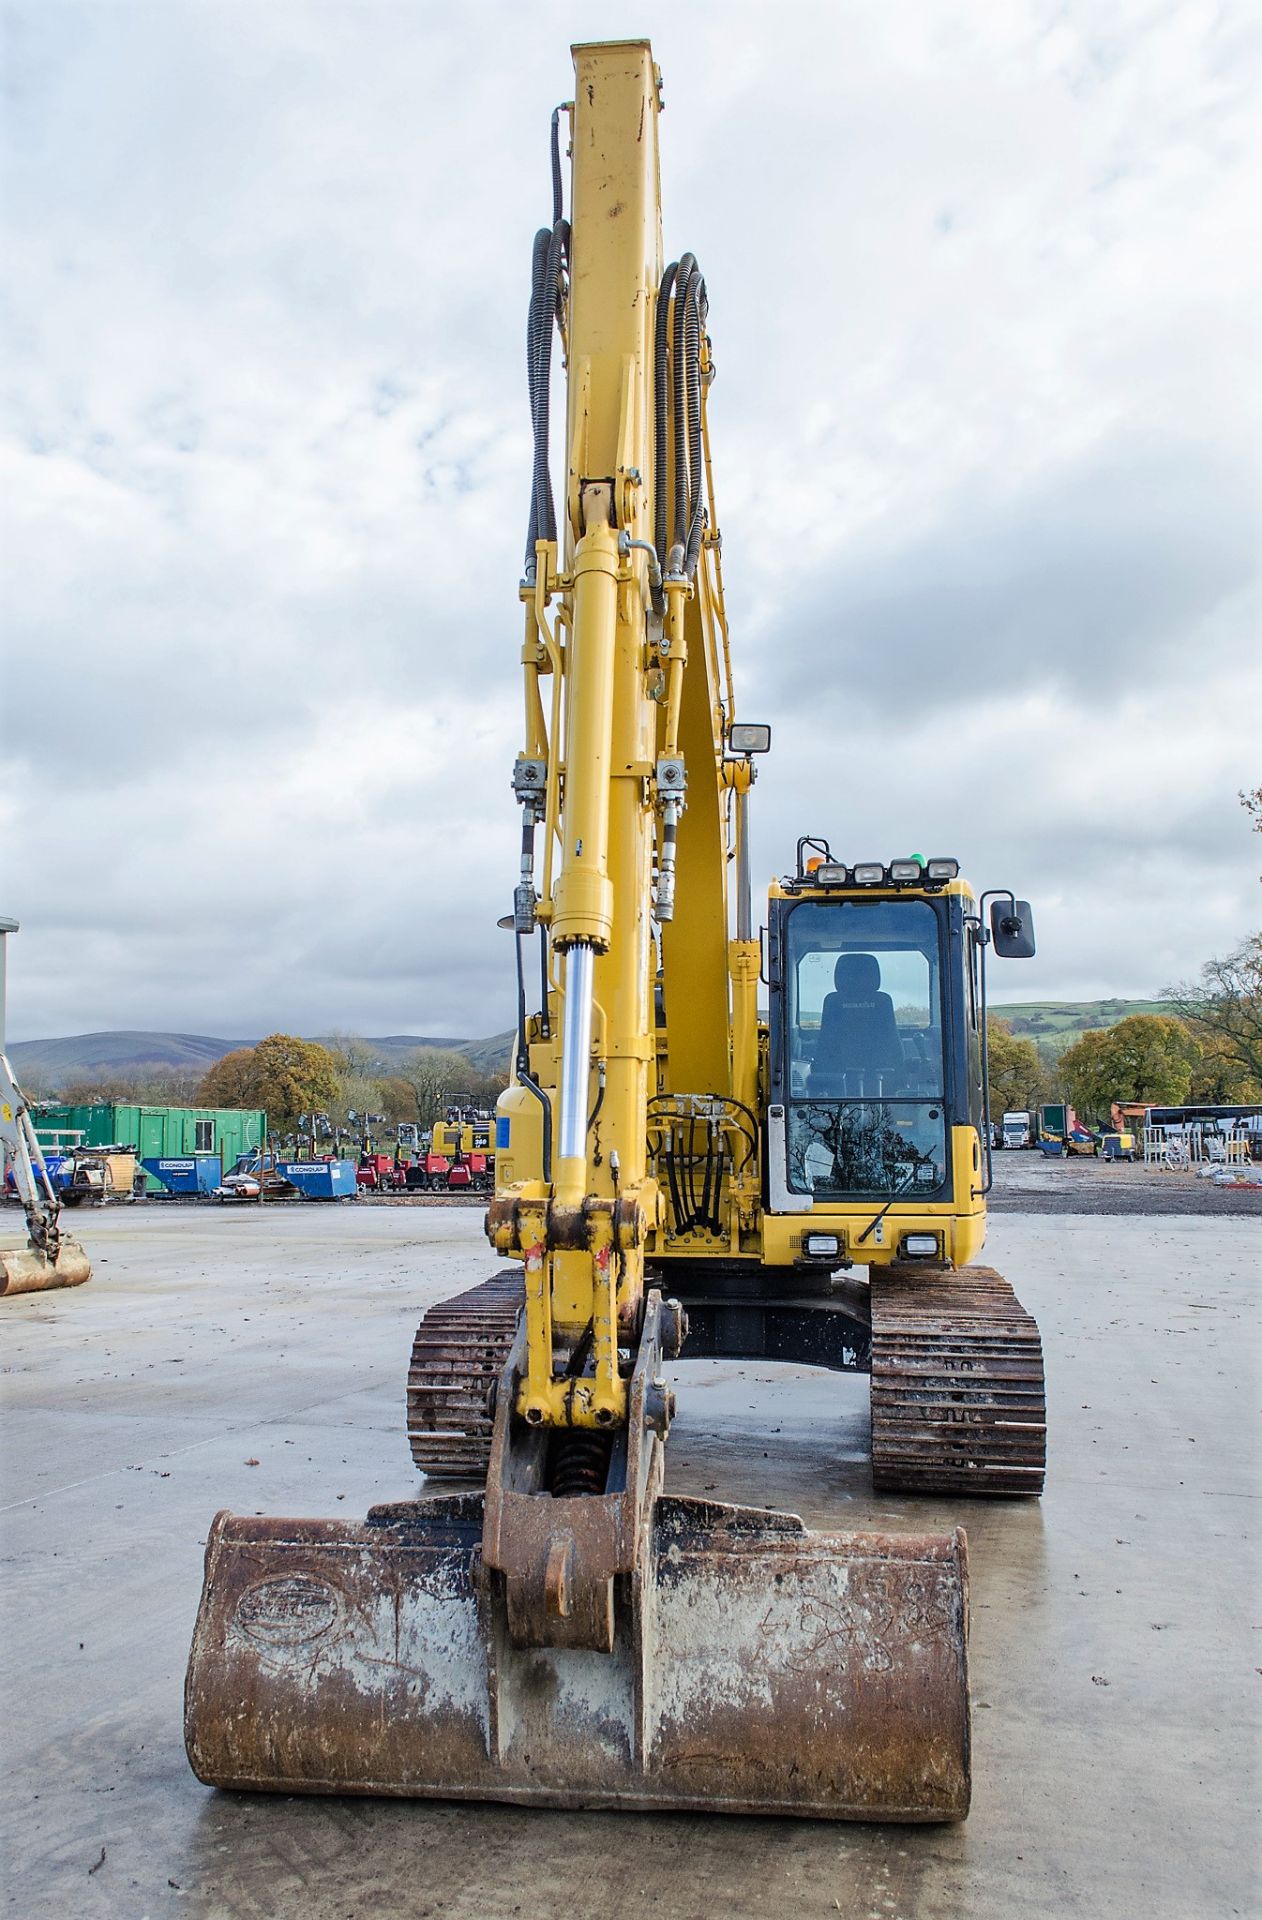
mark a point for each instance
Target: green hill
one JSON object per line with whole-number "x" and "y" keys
{"x": 49, "y": 1065}
{"x": 1058, "y": 1023}
{"x": 87, "y": 1056}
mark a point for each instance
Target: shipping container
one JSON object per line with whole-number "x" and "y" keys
{"x": 171, "y": 1143}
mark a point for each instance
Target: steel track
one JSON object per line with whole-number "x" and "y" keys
{"x": 958, "y": 1402}
{"x": 459, "y": 1353}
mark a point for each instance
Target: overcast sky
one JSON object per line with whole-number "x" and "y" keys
{"x": 984, "y": 305}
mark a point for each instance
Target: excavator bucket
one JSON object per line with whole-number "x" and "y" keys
{"x": 30, "y": 1270}
{"x": 756, "y": 1668}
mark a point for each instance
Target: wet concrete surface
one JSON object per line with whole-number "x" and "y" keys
{"x": 257, "y": 1360}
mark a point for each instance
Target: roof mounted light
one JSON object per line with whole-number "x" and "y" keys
{"x": 901, "y": 871}
{"x": 746, "y": 736}
{"x": 869, "y": 874}
{"x": 830, "y": 873}
{"x": 942, "y": 870}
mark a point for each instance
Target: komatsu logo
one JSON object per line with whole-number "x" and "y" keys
{"x": 287, "y": 1611}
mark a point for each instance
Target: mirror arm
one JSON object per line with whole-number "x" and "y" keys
{"x": 982, "y": 937}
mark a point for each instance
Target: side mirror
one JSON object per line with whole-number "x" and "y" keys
{"x": 1012, "y": 929}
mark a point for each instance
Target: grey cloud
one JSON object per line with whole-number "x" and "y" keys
{"x": 262, "y": 638}
{"x": 1092, "y": 576}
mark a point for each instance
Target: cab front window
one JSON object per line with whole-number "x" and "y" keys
{"x": 864, "y": 1049}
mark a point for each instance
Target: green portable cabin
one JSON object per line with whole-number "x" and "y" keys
{"x": 175, "y": 1145}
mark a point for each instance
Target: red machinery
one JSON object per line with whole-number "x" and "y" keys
{"x": 456, "y": 1173}
{"x": 377, "y": 1173}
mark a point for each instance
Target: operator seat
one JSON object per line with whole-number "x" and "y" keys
{"x": 859, "y": 1050}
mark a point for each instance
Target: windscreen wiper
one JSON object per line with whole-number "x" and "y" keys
{"x": 900, "y": 1189}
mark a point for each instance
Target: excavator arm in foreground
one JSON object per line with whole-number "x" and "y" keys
{"x": 50, "y": 1258}
{"x": 573, "y": 1636}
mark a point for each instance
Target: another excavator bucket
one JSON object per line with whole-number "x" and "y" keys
{"x": 29, "y": 1270}
{"x": 757, "y": 1668}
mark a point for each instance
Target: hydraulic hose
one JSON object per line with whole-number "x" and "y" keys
{"x": 677, "y": 401}
{"x": 661, "y": 382}
{"x": 556, "y": 165}
{"x": 679, "y": 411}
{"x": 523, "y": 1062}
{"x": 549, "y": 270}
{"x": 694, "y": 321}
{"x": 534, "y": 331}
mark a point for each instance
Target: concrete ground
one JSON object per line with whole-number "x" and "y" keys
{"x": 1031, "y": 1182}
{"x": 256, "y": 1361}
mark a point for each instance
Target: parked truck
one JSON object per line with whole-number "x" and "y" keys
{"x": 1020, "y": 1130}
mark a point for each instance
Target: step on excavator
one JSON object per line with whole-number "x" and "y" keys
{"x": 50, "y": 1258}
{"x": 675, "y": 1176}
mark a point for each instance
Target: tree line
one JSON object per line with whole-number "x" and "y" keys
{"x": 289, "y": 1077}
{"x": 1207, "y": 1051}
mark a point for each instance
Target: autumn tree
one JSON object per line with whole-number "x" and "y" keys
{"x": 1224, "y": 1010}
{"x": 395, "y": 1097}
{"x": 229, "y": 1083}
{"x": 1220, "y": 1079}
{"x": 1016, "y": 1071}
{"x": 284, "y": 1075}
{"x": 1150, "y": 1057}
{"x": 292, "y": 1077}
{"x": 288, "y": 1077}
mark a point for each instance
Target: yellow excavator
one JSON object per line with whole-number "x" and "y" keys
{"x": 50, "y": 1257}
{"x": 675, "y": 1176}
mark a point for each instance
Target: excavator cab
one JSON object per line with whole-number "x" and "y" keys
{"x": 877, "y": 1052}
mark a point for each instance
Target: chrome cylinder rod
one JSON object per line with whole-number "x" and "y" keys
{"x": 576, "y": 1052}
{"x": 744, "y": 881}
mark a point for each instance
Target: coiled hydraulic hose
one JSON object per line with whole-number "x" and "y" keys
{"x": 661, "y": 383}
{"x": 549, "y": 279}
{"x": 677, "y": 400}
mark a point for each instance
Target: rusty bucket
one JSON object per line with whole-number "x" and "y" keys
{"x": 757, "y": 1668}
{"x": 28, "y": 1270}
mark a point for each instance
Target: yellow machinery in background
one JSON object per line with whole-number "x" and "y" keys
{"x": 673, "y": 1176}
{"x": 50, "y": 1258}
